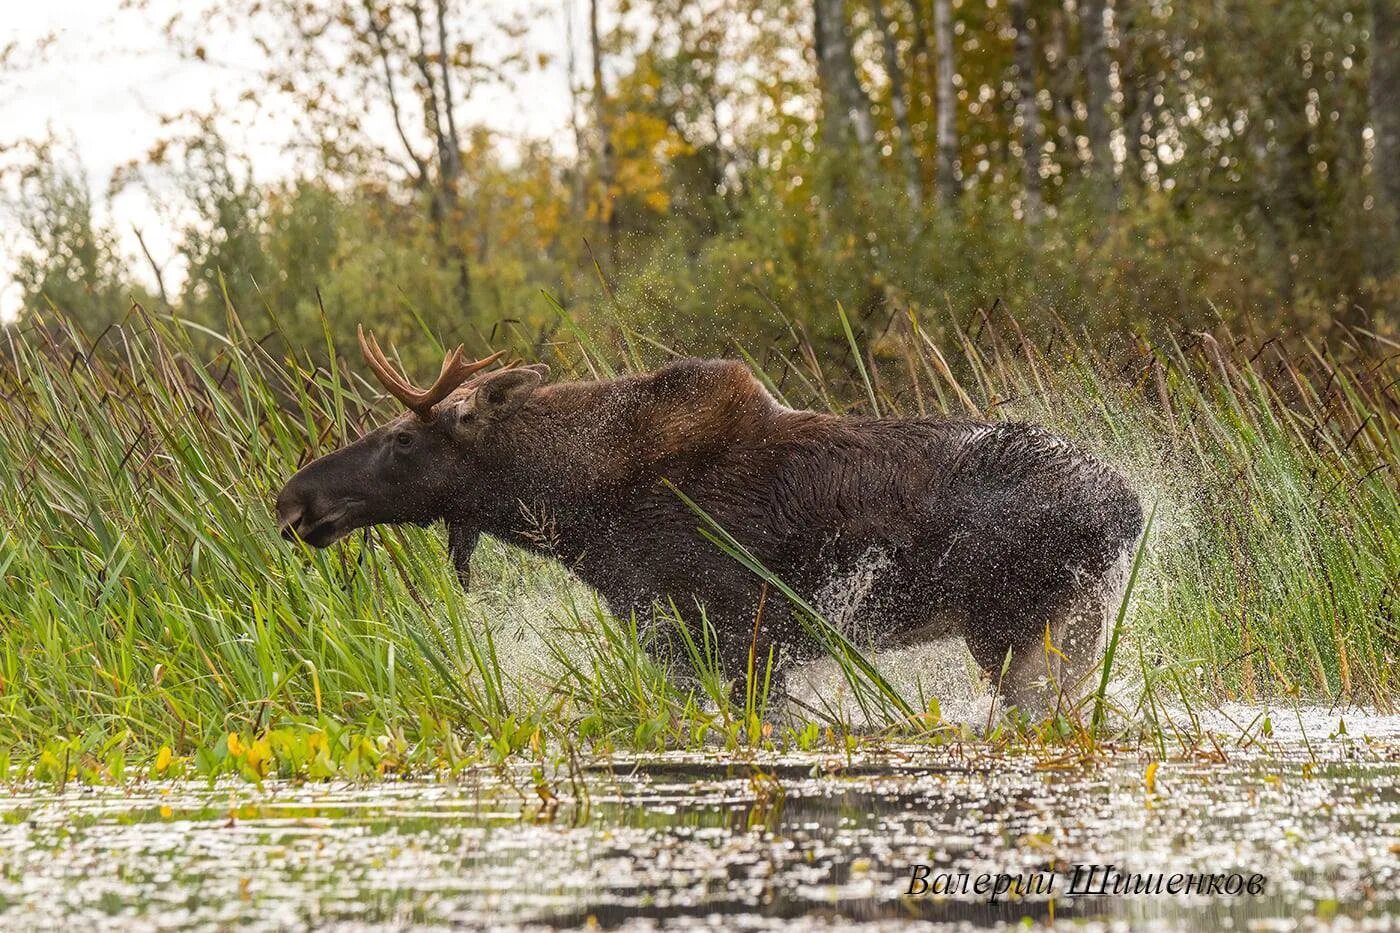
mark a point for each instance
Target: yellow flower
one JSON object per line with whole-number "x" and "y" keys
{"x": 235, "y": 747}
{"x": 163, "y": 759}
{"x": 259, "y": 754}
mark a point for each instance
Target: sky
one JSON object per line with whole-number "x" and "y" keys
{"x": 110, "y": 75}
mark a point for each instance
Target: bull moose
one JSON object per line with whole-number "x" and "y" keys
{"x": 904, "y": 529}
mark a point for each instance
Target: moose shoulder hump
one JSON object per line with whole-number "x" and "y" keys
{"x": 693, "y": 405}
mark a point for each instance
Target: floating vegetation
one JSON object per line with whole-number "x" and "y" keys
{"x": 733, "y": 840}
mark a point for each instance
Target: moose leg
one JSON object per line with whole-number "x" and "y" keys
{"x": 668, "y": 632}
{"x": 736, "y": 630}
{"x": 747, "y": 639}
{"x": 1028, "y": 680}
{"x": 461, "y": 542}
{"x": 1040, "y": 677}
{"x": 1081, "y": 644}
{"x": 1086, "y": 625}
{"x": 737, "y": 670}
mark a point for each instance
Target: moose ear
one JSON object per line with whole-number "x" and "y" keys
{"x": 507, "y": 390}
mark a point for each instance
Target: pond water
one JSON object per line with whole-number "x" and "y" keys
{"x": 705, "y": 840}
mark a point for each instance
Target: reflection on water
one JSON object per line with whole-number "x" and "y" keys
{"x": 696, "y": 840}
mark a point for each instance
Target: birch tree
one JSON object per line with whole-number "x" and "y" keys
{"x": 602, "y": 119}
{"x": 1098, "y": 96}
{"x": 1385, "y": 125}
{"x": 899, "y": 106}
{"x": 1027, "y": 111}
{"x": 845, "y": 108}
{"x": 945, "y": 97}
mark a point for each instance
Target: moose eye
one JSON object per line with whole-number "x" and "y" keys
{"x": 403, "y": 439}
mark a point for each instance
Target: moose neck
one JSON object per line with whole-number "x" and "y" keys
{"x": 575, "y": 473}
{"x": 557, "y": 470}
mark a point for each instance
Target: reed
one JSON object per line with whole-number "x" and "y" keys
{"x": 149, "y": 611}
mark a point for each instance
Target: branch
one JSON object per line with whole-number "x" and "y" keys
{"x": 155, "y": 267}
{"x": 444, "y": 63}
{"x": 382, "y": 48}
{"x": 430, "y": 87}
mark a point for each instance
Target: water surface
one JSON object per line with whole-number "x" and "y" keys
{"x": 705, "y": 840}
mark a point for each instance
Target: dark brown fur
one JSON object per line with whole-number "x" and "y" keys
{"x": 990, "y": 531}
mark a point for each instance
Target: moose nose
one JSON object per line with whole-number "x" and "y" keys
{"x": 288, "y": 527}
{"x": 289, "y": 515}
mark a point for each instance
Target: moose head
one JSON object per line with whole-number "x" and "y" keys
{"x": 418, "y": 467}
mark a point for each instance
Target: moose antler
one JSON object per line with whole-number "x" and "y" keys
{"x": 455, "y": 371}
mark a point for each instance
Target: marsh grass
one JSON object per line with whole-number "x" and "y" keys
{"x": 152, "y": 622}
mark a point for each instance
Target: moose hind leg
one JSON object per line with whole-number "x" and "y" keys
{"x": 1086, "y": 627}
{"x": 1027, "y": 680}
{"x": 1042, "y": 678}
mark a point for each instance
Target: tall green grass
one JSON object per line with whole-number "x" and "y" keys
{"x": 147, "y": 602}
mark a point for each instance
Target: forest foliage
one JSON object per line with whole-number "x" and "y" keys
{"x": 739, "y": 166}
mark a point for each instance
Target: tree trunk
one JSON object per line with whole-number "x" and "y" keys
{"x": 1098, "y": 97}
{"x": 441, "y": 191}
{"x": 845, "y": 108}
{"x": 1131, "y": 80}
{"x": 1062, "y": 74}
{"x": 606, "y": 180}
{"x": 453, "y": 167}
{"x": 1027, "y": 110}
{"x": 577, "y": 190}
{"x": 1385, "y": 124}
{"x": 441, "y": 125}
{"x": 899, "y": 107}
{"x": 450, "y": 168}
{"x": 946, "y": 100}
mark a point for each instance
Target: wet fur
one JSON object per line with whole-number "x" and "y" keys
{"x": 989, "y": 531}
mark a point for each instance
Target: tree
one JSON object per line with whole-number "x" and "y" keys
{"x": 438, "y": 176}
{"x": 845, "y": 108}
{"x": 1098, "y": 98}
{"x": 223, "y": 251}
{"x": 899, "y": 106}
{"x": 1140, "y": 79}
{"x": 603, "y": 121}
{"x": 1027, "y": 110}
{"x": 71, "y": 262}
{"x": 376, "y": 86}
{"x": 1385, "y": 125}
{"x": 946, "y": 179}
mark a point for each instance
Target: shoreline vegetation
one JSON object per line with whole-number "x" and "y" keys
{"x": 1170, "y": 231}
{"x": 152, "y": 623}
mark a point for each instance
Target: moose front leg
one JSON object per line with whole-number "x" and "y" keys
{"x": 758, "y": 636}
{"x": 461, "y": 542}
